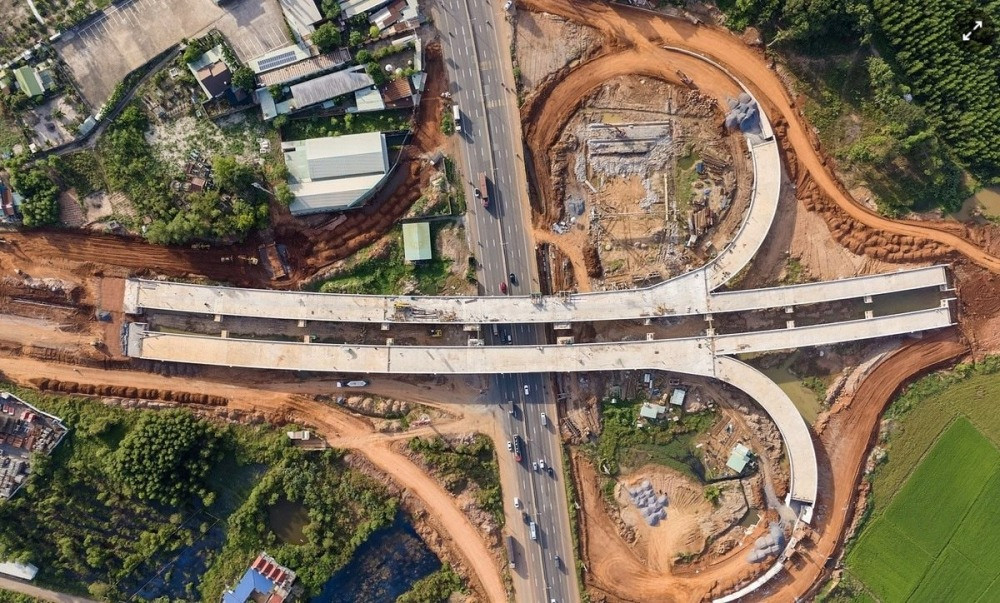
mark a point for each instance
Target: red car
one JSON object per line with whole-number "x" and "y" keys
{"x": 503, "y": 287}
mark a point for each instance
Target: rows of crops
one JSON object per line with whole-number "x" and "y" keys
{"x": 956, "y": 80}
{"x": 928, "y": 544}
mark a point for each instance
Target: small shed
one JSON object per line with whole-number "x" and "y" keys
{"x": 738, "y": 458}
{"x": 417, "y": 241}
{"x": 677, "y": 396}
{"x": 652, "y": 411}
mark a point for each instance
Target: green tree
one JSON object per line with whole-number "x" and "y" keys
{"x": 231, "y": 176}
{"x": 331, "y": 9}
{"x": 283, "y": 194}
{"x": 275, "y": 90}
{"x": 356, "y": 38}
{"x": 244, "y": 79}
{"x": 377, "y": 73}
{"x": 362, "y": 56}
{"x": 326, "y": 37}
{"x": 166, "y": 457}
{"x": 374, "y": 32}
{"x": 41, "y": 197}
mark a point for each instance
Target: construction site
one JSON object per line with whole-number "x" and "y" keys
{"x": 635, "y": 179}
{"x": 648, "y": 179}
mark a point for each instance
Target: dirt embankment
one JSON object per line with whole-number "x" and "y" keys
{"x": 644, "y": 34}
{"x": 846, "y": 435}
{"x": 124, "y": 391}
{"x": 317, "y": 243}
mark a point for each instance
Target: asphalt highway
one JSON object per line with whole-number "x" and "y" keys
{"x": 476, "y": 49}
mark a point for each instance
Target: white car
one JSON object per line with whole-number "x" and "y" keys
{"x": 534, "y": 466}
{"x": 510, "y": 446}
{"x": 517, "y": 503}
{"x": 508, "y": 4}
{"x": 541, "y": 463}
{"x": 527, "y": 390}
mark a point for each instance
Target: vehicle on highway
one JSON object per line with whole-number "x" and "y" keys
{"x": 512, "y": 278}
{"x": 354, "y": 383}
{"x": 484, "y": 190}
{"x": 527, "y": 390}
{"x": 510, "y": 339}
{"x": 558, "y": 561}
{"x": 550, "y": 471}
{"x": 503, "y": 287}
{"x": 545, "y": 420}
{"x": 508, "y": 4}
{"x": 510, "y": 446}
{"x": 518, "y": 448}
{"x": 534, "y": 466}
{"x": 541, "y": 463}
{"x": 510, "y": 551}
{"x": 457, "y": 115}
{"x": 533, "y": 528}
{"x": 517, "y": 503}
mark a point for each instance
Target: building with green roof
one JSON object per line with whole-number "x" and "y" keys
{"x": 417, "y": 241}
{"x": 29, "y": 81}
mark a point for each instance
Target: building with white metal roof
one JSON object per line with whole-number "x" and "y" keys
{"x": 302, "y": 16}
{"x": 350, "y": 8}
{"x": 335, "y": 173}
{"x": 323, "y": 88}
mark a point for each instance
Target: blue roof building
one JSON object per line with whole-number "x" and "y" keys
{"x": 265, "y": 581}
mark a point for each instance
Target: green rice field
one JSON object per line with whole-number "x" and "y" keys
{"x": 932, "y": 541}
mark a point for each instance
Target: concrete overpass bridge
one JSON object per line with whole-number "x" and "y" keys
{"x": 705, "y": 355}
{"x": 682, "y": 296}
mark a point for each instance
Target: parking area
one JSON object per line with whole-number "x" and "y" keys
{"x": 101, "y": 52}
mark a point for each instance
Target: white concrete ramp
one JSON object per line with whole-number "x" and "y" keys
{"x": 804, "y": 478}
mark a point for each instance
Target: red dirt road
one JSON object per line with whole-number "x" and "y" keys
{"x": 645, "y": 32}
{"x": 845, "y": 439}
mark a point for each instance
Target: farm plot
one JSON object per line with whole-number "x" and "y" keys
{"x": 935, "y": 499}
{"x": 919, "y": 548}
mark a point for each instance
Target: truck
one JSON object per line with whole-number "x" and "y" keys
{"x": 457, "y": 115}
{"x": 518, "y": 448}
{"x": 353, "y": 383}
{"x": 484, "y": 190}
{"x": 510, "y": 551}
{"x": 533, "y": 527}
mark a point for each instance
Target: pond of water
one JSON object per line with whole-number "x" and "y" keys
{"x": 287, "y": 520}
{"x": 383, "y": 568}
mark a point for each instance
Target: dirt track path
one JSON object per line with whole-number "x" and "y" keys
{"x": 645, "y": 33}
{"x": 40, "y": 593}
{"x": 283, "y": 402}
{"x": 846, "y": 439}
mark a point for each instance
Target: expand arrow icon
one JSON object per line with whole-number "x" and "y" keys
{"x": 968, "y": 36}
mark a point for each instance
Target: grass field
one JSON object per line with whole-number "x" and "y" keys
{"x": 932, "y": 528}
{"x": 914, "y": 546}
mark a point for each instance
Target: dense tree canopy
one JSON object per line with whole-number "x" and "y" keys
{"x": 958, "y": 82}
{"x": 41, "y": 196}
{"x": 929, "y": 105}
{"x": 166, "y": 458}
{"x": 331, "y": 9}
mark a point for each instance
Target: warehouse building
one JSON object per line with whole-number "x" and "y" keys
{"x": 334, "y": 173}
{"x": 302, "y": 16}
